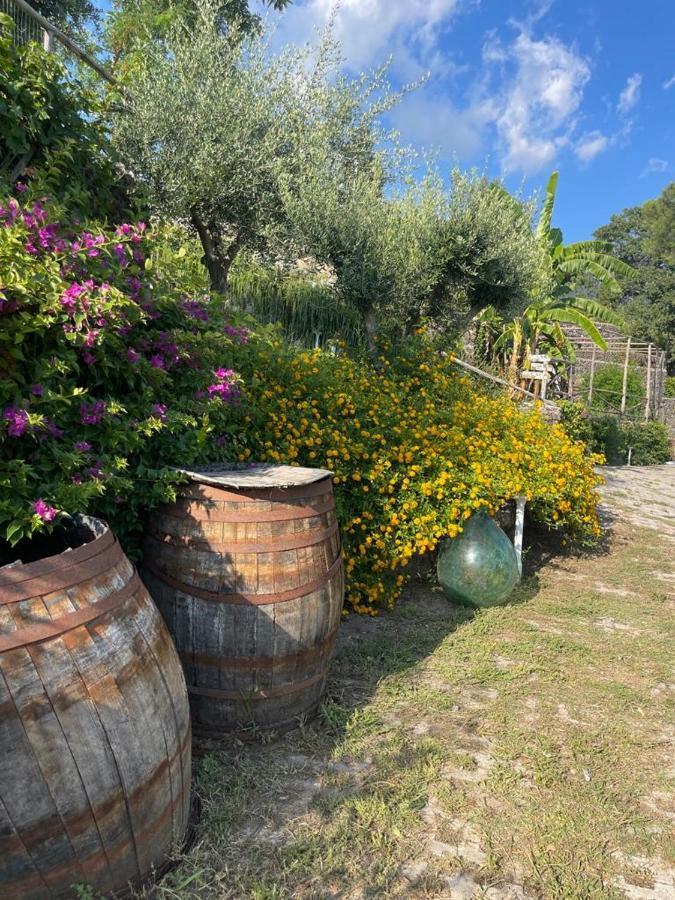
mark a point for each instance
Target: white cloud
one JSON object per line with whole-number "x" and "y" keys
{"x": 370, "y": 29}
{"x": 539, "y": 104}
{"x": 668, "y": 84}
{"x": 590, "y": 145}
{"x": 630, "y": 95}
{"x": 654, "y": 166}
{"x": 526, "y": 95}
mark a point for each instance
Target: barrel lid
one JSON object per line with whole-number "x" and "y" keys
{"x": 255, "y": 475}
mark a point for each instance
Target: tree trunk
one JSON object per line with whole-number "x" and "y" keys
{"x": 219, "y": 252}
{"x": 371, "y": 329}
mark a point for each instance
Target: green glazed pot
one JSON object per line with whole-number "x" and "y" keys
{"x": 479, "y": 567}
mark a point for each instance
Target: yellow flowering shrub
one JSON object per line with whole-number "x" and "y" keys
{"x": 415, "y": 448}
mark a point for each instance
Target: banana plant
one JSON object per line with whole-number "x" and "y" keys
{"x": 570, "y": 265}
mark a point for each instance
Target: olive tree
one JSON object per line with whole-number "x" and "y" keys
{"x": 221, "y": 131}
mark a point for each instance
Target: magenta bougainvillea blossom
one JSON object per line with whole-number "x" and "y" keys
{"x": 17, "y": 421}
{"x": 44, "y": 511}
{"x": 115, "y": 346}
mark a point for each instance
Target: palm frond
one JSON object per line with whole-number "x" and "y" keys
{"x": 575, "y": 317}
{"x": 596, "y": 311}
{"x": 544, "y": 224}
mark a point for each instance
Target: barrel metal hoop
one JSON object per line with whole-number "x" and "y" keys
{"x": 245, "y": 515}
{"x": 65, "y": 560}
{"x": 266, "y": 663}
{"x": 263, "y": 694}
{"x": 65, "y": 577}
{"x": 44, "y": 631}
{"x": 248, "y": 599}
{"x": 295, "y": 541}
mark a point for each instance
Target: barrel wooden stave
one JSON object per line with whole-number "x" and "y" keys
{"x": 250, "y": 657}
{"x": 95, "y": 736}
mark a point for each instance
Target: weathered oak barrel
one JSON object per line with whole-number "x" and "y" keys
{"x": 95, "y": 752}
{"x": 246, "y": 568}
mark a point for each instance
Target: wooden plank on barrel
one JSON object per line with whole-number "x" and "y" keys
{"x": 138, "y": 745}
{"x": 165, "y": 682}
{"x": 255, "y": 476}
{"x": 16, "y": 864}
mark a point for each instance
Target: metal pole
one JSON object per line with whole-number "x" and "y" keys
{"x": 518, "y": 534}
{"x": 592, "y": 376}
{"x": 625, "y": 378}
{"x": 649, "y": 382}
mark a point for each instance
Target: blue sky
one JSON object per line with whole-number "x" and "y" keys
{"x": 521, "y": 87}
{"x": 525, "y": 86}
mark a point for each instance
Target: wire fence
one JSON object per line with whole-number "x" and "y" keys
{"x": 30, "y": 25}
{"x": 26, "y": 28}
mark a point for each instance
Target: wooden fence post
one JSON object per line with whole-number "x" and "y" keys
{"x": 591, "y": 377}
{"x": 648, "y": 401}
{"x": 47, "y": 41}
{"x": 625, "y": 378}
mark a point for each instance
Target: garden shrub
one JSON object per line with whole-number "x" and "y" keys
{"x": 608, "y": 388}
{"x": 111, "y": 375}
{"x": 51, "y": 131}
{"x": 575, "y": 420}
{"x": 649, "y": 442}
{"x": 607, "y": 439}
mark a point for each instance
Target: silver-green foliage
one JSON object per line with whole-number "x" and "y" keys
{"x": 421, "y": 249}
{"x": 222, "y": 130}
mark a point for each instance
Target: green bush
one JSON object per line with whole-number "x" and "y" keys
{"x": 649, "y": 441}
{"x": 608, "y": 388}
{"x": 607, "y": 438}
{"x": 51, "y": 132}
{"x": 670, "y": 386}
{"x": 575, "y": 420}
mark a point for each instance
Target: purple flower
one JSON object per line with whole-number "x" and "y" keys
{"x": 159, "y": 411}
{"x": 90, "y": 338}
{"x": 223, "y": 391}
{"x": 77, "y": 478}
{"x": 157, "y": 361}
{"x": 20, "y": 187}
{"x": 224, "y": 374}
{"x": 17, "y": 420}
{"x": 240, "y": 335}
{"x": 195, "y": 310}
{"x": 88, "y": 358}
{"x": 82, "y": 446}
{"x": 52, "y": 428}
{"x": 36, "y": 390}
{"x": 120, "y": 252}
{"x": 46, "y": 513}
{"x": 132, "y": 356}
{"x": 134, "y": 286}
{"x": 92, "y": 413}
{"x": 70, "y": 296}
{"x": 95, "y": 472}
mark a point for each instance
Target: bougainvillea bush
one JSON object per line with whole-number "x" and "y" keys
{"x": 112, "y": 375}
{"x": 103, "y": 376}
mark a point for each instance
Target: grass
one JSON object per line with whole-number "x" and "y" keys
{"x": 520, "y": 751}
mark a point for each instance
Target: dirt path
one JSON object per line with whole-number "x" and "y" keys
{"x": 526, "y": 751}
{"x": 646, "y": 496}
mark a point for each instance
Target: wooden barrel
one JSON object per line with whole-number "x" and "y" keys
{"x": 246, "y": 568}
{"x": 94, "y": 724}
